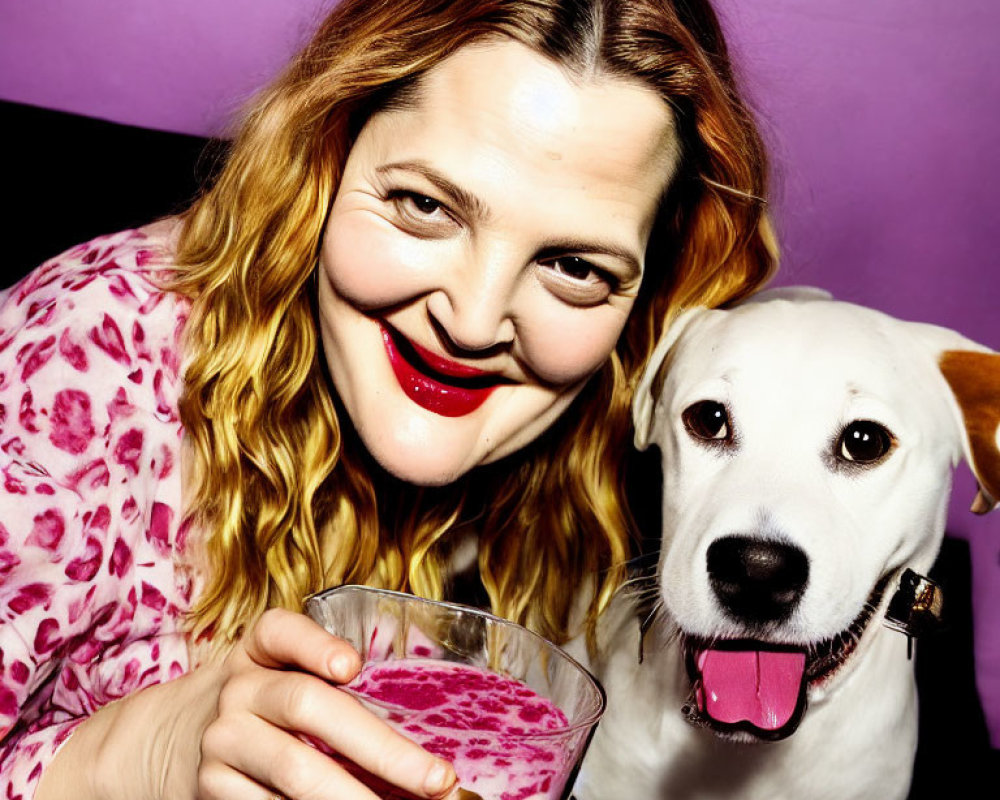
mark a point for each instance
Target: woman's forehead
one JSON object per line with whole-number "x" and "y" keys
{"x": 505, "y": 83}
{"x": 499, "y": 111}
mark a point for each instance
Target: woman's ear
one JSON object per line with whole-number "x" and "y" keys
{"x": 974, "y": 378}
{"x": 651, "y": 381}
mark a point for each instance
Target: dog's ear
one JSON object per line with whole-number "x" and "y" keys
{"x": 651, "y": 380}
{"x": 974, "y": 378}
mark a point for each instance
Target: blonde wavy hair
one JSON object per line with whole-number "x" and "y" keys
{"x": 288, "y": 500}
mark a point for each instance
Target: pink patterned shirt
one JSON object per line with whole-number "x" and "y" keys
{"x": 91, "y": 586}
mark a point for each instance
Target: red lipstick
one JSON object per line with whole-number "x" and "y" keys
{"x": 438, "y": 384}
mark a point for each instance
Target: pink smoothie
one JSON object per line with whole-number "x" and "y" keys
{"x": 485, "y": 724}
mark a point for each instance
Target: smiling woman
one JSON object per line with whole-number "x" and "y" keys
{"x": 479, "y": 231}
{"x": 398, "y": 337}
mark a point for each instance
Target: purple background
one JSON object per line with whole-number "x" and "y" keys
{"x": 883, "y": 118}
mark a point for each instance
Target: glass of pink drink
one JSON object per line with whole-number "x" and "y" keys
{"x": 510, "y": 710}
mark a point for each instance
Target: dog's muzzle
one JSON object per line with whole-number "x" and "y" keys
{"x": 759, "y": 688}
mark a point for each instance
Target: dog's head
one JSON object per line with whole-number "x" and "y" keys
{"x": 807, "y": 450}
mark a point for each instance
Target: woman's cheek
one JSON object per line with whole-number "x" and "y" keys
{"x": 562, "y": 348}
{"x": 372, "y": 264}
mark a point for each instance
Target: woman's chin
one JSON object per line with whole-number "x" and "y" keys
{"x": 422, "y": 462}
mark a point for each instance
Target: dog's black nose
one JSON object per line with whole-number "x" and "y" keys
{"x": 757, "y": 580}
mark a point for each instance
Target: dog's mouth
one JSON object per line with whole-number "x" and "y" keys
{"x": 759, "y": 688}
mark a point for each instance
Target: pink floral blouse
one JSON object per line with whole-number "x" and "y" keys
{"x": 91, "y": 586}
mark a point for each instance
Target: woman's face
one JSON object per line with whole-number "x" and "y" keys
{"x": 483, "y": 253}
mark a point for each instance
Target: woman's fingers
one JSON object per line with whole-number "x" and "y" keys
{"x": 278, "y": 687}
{"x": 261, "y": 761}
{"x": 226, "y": 783}
{"x": 295, "y": 701}
{"x": 283, "y": 638}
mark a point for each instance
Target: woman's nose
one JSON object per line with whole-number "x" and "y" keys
{"x": 473, "y": 308}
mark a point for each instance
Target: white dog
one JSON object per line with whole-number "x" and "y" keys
{"x": 807, "y": 448}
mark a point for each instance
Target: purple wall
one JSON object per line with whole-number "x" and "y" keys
{"x": 883, "y": 117}
{"x": 174, "y": 65}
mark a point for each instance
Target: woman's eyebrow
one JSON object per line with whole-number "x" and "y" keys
{"x": 473, "y": 207}
{"x": 465, "y": 202}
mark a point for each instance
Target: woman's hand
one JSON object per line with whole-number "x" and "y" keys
{"x": 251, "y": 749}
{"x": 230, "y": 730}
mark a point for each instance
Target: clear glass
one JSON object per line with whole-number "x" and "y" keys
{"x": 517, "y": 760}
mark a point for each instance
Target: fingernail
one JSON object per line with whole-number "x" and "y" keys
{"x": 440, "y": 779}
{"x": 337, "y": 665}
{"x": 342, "y": 667}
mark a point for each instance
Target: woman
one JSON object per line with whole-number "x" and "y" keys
{"x": 410, "y": 312}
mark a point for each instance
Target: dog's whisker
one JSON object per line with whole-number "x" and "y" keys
{"x": 651, "y": 615}
{"x": 635, "y": 564}
{"x": 638, "y": 579}
{"x": 651, "y": 555}
{"x": 668, "y": 634}
{"x": 641, "y": 582}
{"x": 663, "y": 619}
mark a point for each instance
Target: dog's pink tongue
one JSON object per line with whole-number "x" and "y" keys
{"x": 761, "y": 687}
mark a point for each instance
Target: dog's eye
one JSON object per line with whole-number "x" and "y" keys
{"x": 707, "y": 420}
{"x": 864, "y": 442}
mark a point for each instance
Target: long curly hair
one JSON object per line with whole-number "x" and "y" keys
{"x": 286, "y": 498}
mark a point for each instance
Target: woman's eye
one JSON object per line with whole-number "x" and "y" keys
{"x": 577, "y": 268}
{"x": 415, "y": 205}
{"x": 863, "y": 442}
{"x": 423, "y": 204}
{"x": 708, "y": 420}
{"x": 576, "y": 281}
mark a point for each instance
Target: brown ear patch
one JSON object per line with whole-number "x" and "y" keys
{"x": 975, "y": 380}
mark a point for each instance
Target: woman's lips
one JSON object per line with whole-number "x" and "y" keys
{"x": 438, "y": 384}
